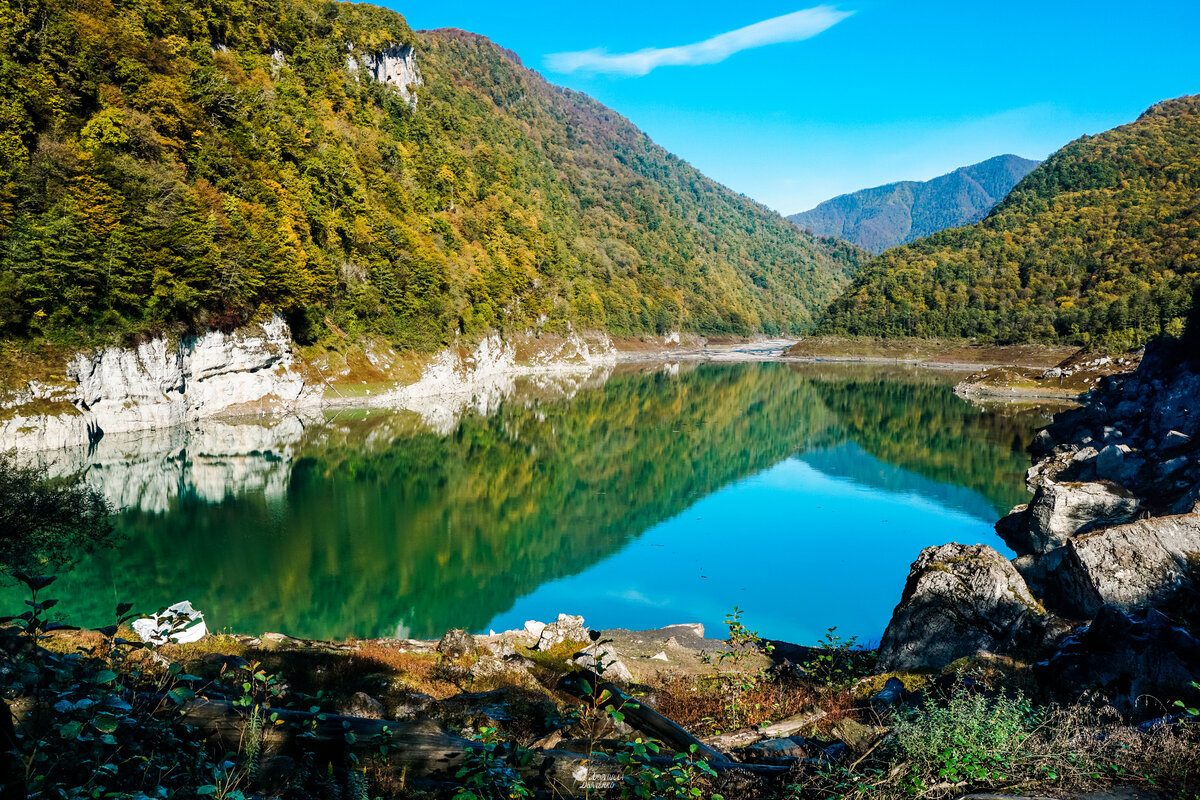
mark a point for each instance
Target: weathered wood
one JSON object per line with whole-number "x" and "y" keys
{"x": 748, "y": 736}
{"x": 642, "y": 717}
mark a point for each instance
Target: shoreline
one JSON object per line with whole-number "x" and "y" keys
{"x": 261, "y": 372}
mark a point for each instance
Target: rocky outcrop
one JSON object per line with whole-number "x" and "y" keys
{"x": 160, "y": 384}
{"x": 164, "y": 386}
{"x": 1145, "y": 563}
{"x": 959, "y": 599}
{"x": 1113, "y": 518}
{"x": 394, "y": 66}
{"x": 1126, "y": 657}
{"x": 1060, "y": 511}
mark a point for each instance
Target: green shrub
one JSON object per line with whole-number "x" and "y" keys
{"x": 969, "y": 738}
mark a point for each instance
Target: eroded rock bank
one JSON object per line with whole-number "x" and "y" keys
{"x": 1103, "y": 590}
{"x": 164, "y": 383}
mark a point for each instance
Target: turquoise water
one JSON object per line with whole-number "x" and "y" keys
{"x": 800, "y": 494}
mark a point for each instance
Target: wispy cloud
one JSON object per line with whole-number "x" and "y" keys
{"x": 792, "y": 27}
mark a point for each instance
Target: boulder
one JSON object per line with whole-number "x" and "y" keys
{"x": 614, "y": 668}
{"x": 1059, "y": 511}
{"x": 361, "y": 704}
{"x": 456, "y": 644}
{"x": 413, "y": 705}
{"x": 566, "y": 629}
{"x": 1128, "y": 658}
{"x": 959, "y": 599}
{"x": 1128, "y": 566}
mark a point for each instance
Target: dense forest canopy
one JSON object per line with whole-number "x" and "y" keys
{"x": 1099, "y": 244}
{"x": 176, "y": 164}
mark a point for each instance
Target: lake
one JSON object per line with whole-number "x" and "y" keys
{"x": 638, "y": 497}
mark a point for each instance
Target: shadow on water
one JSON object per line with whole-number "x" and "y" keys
{"x": 370, "y": 524}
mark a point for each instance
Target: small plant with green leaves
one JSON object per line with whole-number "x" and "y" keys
{"x": 744, "y": 645}
{"x": 684, "y": 776}
{"x": 838, "y": 660}
{"x": 970, "y": 738}
{"x": 490, "y": 771}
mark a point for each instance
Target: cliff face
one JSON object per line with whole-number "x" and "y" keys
{"x": 161, "y": 384}
{"x": 158, "y": 384}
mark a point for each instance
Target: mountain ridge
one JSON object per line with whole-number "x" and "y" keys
{"x": 882, "y": 217}
{"x": 201, "y": 165}
{"x": 1100, "y": 244}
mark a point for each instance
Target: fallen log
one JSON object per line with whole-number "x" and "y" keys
{"x": 748, "y": 736}
{"x": 585, "y": 683}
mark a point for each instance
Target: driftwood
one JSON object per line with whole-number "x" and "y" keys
{"x": 639, "y": 716}
{"x": 748, "y": 736}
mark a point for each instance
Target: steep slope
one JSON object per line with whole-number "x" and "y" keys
{"x": 882, "y": 217}
{"x": 1101, "y": 243}
{"x": 185, "y": 164}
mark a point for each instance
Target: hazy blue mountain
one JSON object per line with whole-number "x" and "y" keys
{"x": 885, "y": 216}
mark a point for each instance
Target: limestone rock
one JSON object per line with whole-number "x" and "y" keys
{"x": 1059, "y": 511}
{"x": 959, "y": 599}
{"x": 566, "y": 629}
{"x": 361, "y": 704}
{"x": 1128, "y": 566}
{"x": 179, "y": 623}
{"x": 412, "y": 706}
{"x": 456, "y": 644}
{"x": 614, "y": 668}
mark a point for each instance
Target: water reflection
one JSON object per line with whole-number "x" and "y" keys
{"x": 640, "y": 498}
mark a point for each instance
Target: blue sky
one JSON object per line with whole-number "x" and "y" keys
{"x": 855, "y": 93}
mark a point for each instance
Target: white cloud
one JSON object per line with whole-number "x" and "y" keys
{"x": 792, "y": 27}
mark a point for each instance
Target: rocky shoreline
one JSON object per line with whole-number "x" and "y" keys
{"x": 1104, "y": 585}
{"x": 258, "y": 370}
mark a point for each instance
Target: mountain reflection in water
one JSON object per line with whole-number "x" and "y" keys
{"x": 650, "y": 496}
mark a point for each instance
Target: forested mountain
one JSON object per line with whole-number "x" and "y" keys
{"x": 178, "y": 164}
{"x": 1101, "y": 243}
{"x": 885, "y": 216}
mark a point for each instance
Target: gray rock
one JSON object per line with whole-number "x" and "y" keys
{"x": 891, "y": 695}
{"x": 456, "y": 644}
{"x": 788, "y": 747}
{"x": 412, "y": 706}
{"x": 1128, "y": 566}
{"x": 959, "y": 599}
{"x": 1172, "y": 466}
{"x": 1189, "y": 503}
{"x": 1176, "y": 439}
{"x": 1126, "y": 657}
{"x": 361, "y": 704}
{"x": 566, "y": 629}
{"x": 1111, "y": 461}
{"x": 614, "y": 668}
{"x": 1059, "y": 511}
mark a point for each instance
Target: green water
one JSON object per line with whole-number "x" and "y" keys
{"x": 800, "y": 493}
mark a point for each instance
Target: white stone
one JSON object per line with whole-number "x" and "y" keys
{"x": 180, "y": 623}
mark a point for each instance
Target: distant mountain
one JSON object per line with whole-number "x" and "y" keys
{"x": 885, "y": 216}
{"x": 200, "y": 163}
{"x": 1099, "y": 244}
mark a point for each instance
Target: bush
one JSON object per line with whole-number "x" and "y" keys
{"x": 970, "y": 738}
